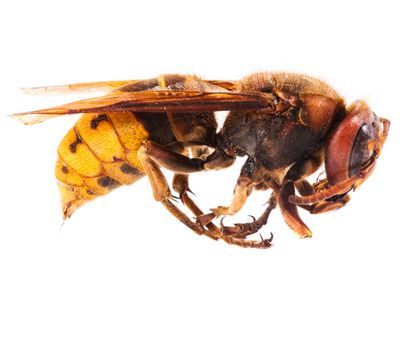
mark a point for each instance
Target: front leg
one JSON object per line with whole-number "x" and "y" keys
{"x": 338, "y": 190}
{"x": 333, "y": 203}
{"x": 289, "y": 210}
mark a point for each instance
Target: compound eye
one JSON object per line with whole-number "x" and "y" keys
{"x": 352, "y": 143}
{"x": 376, "y": 123}
{"x": 362, "y": 149}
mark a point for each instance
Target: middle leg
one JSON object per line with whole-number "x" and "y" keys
{"x": 243, "y": 230}
{"x": 245, "y": 184}
{"x": 180, "y": 185}
{"x": 243, "y": 189}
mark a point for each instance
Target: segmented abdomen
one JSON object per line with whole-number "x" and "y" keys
{"x": 99, "y": 154}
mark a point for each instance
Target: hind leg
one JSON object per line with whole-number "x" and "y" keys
{"x": 180, "y": 185}
{"x": 161, "y": 190}
{"x": 154, "y": 155}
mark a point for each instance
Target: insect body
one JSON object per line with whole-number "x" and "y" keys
{"x": 287, "y": 125}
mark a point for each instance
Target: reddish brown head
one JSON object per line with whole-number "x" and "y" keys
{"x": 350, "y": 154}
{"x": 355, "y": 145}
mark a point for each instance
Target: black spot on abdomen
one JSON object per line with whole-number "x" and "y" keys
{"x": 74, "y": 144}
{"x": 108, "y": 182}
{"x": 100, "y": 118}
{"x": 127, "y": 169}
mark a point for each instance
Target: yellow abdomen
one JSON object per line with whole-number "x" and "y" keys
{"x": 98, "y": 155}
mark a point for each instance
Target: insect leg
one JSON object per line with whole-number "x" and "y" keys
{"x": 306, "y": 189}
{"x": 161, "y": 190}
{"x": 244, "y": 187}
{"x": 242, "y": 190}
{"x": 289, "y": 210}
{"x": 180, "y": 185}
{"x": 162, "y": 193}
{"x": 336, "y": 191}
{"x": 180, "y": 163}
{"x": 243, "y": 230}
{"x": 183, "y": 165}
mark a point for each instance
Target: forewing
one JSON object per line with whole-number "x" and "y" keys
{"x": 78, "y": 87}
{"x": 156, "y": 101}
{"x": 129, "y": 86}
{"x": 226, "y": 84}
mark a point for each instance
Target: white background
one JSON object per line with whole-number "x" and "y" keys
{"x": 122, "y": 273}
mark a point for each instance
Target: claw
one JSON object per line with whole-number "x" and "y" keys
{"x": 241, "y": 230}
{"x": 235, "y": 230}
{"x": 272, "y": 202}
{"x": 267, "y": 242}
{"x": 175, "y": 198}
{"x": 238, "y": 230}
{"x": 221, "y": 224}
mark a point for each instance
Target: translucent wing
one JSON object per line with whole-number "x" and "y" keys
{"x": 78, "y": 87}
{"x": 118, "y": 84}
{"x": 166, "y": 100}
{"x": 226, "y": 84}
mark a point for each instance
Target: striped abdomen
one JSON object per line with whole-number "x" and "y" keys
{"x": 99, "y": 154}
